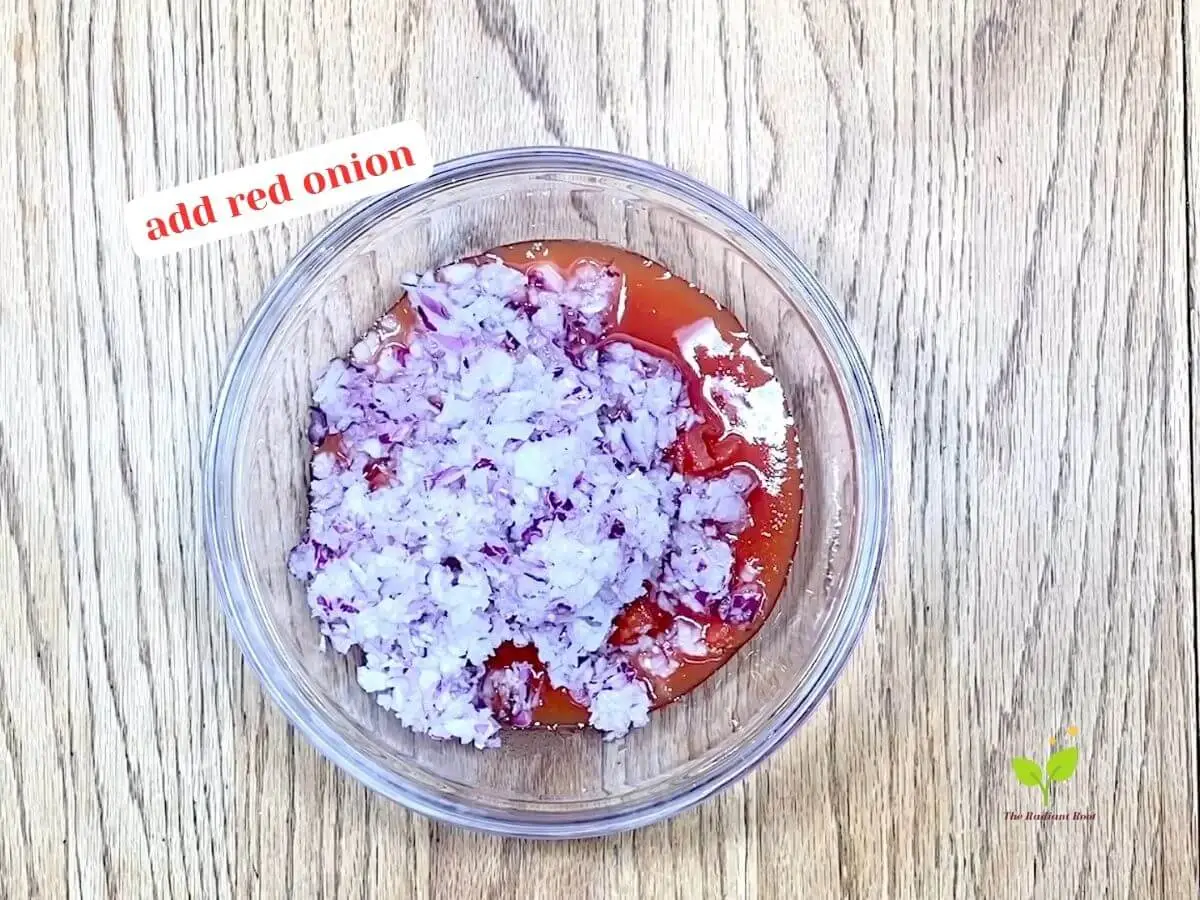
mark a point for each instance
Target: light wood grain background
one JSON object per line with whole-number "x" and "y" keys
{"x": 996, "y": 190}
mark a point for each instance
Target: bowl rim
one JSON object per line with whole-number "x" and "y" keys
{"x": 871, "y": 466}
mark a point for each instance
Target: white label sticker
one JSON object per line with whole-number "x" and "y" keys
{"x": 339, "y": 172}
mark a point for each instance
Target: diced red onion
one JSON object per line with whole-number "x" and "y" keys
{"x": 500, "y": 480}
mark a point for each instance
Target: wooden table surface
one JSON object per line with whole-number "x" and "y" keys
{"x": 997, "y": 194}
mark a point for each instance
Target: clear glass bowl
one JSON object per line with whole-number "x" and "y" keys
{"x": 547, "y": 784}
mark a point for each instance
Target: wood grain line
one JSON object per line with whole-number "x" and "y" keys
{"x": 526, "y": 57}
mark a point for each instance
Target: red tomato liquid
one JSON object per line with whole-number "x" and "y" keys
{"x": 745, "y": 423}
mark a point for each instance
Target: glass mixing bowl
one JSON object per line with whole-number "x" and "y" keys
{"x": 542, "y": 783}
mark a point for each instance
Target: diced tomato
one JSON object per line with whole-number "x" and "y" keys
{"x": 720, "y": 637}
{"x": 693, "y": 451}
{"x": 405, "y": 323}
{"x": 698, "y": 453}
{"x": 377, "y": 473}
{"x": 555, "y": 707}
{"x": 728, "y": 450}
{"x": 513, "y": 693}
{"x": 639, "y": 618}
{"x": 333, "y": 443}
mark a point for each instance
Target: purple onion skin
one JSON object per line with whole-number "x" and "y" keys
{"x": 318, "y": 425}
{"x": 424, "y": 317}
{"x": 742, "y": 604}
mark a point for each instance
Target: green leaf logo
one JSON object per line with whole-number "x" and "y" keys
{"x": 1061, "y": 765}
{"x": 1027, "y": 771}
